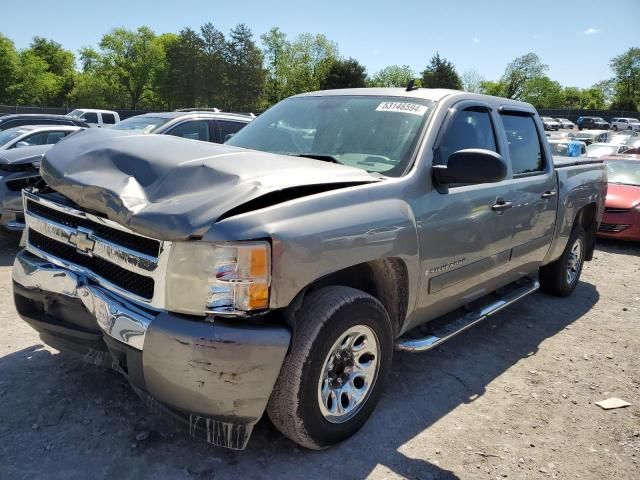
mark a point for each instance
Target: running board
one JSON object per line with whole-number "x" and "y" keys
{"x": 451, "y": 329}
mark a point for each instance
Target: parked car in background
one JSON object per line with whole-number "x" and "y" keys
{"x": 549, "y": 123}
{"x": 18, "y": 169}
{"x": 625, "y": 123}
{"x": 31, "y": 135}
{"x": 279, "y": 270}
{"x": 597, "y": 150}
{"x": 626, "y": 137}
{"x": 560, "y": 135}
{"x": 621, "y": 218}
{"x": 19, "y": 120}
{"x": 95, "y": 118}
{"x": 206, "y": 126}
{"x": 594, "y": 123}
{"x": 593, "y": 136}
{"x": 565, "y": 123}
{"x": 567, "y": 147}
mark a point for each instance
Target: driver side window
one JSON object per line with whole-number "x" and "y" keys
{"x": 470, "y": 128}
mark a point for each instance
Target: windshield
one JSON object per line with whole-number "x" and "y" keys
{"x": 75, "y": 114}
{"x": 8, "y": 135}
{"x": 601, "y": 150}
{"x": 623, "y": 171}
{"x": 144, "y": 124}
{"x": 376, "y": 134}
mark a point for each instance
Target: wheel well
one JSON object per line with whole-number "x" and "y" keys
{"x": 586, "y": 217}
{"x": 385, "y": 279}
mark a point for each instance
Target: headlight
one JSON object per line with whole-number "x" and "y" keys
{"x": 224, "y": 278}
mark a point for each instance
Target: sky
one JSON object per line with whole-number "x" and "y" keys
{"x": 575, "y": 38}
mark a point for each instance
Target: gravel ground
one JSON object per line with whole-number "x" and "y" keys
{"x": 511, "y": 398}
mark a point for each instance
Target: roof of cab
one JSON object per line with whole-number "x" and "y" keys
{"x": 433, "y": 94}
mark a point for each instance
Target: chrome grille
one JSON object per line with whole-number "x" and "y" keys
{"x": 105, "y": 252}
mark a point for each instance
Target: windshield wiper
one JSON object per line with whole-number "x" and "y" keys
{"x": 317, "y": 156}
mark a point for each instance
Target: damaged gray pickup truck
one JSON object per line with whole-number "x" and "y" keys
{"x": 278, "y": 272}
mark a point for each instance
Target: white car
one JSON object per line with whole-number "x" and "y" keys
{"x": 565, "y": 123}
{"x": 550, "y": 124}
{"x": 597, "y": 150}
{"x": 31, "y": 135}
{"x": 96, "y": 118}
{"x": 625, "y": 123}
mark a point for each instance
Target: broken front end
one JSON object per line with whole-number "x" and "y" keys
{"x": 179, "y": 319}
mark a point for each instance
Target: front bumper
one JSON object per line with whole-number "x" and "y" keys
{"x": 621, "y": 226}
{"x": 214, "y": 376}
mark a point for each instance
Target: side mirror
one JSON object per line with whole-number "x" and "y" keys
{"x": 22, "y": 144}
{"x": 470, "y": 166}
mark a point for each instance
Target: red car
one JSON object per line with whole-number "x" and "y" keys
{"x": 621, "y": 218}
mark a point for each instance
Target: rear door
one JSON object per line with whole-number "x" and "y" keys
{"x": 535, "y": 190}
{"x": 465, "y": 231}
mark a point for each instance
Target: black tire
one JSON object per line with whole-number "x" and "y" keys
{"x": 615, "y": 128}
{"x": 554, "y": 278}
{"x": 325, "y": 316}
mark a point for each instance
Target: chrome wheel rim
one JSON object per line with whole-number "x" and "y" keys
{"x": 349, "y": 372}
{"x": 575, "y": 262}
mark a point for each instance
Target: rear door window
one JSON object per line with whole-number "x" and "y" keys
{"x": 525, "y": 150}
{"x": 193, "y": 130}
{"x": 108, "y": 118}
{"x": 228, "y": 128}
{"x": 90, "y": 117}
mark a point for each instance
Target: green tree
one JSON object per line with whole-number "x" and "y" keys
{"x": 347, "y": 73}
{"x": 35, "y": 84}
{"x": 9, "y": 65}
{"x": 131, "y": 57}
{"x": 392, "y": 76}
{"x": 626, "y": 69}
{"x": 187, "y": 58}
{"x": 60, "y": 62}
{"x": 489, "y": 87}
{"x": 440, "y": 73}
{"x": 542, "y": 92}
{"x": 245, "y": 72}
{"x": 277, "y": 50}
{"x": 213, "y": 65}
{"x": 520, "y": 71}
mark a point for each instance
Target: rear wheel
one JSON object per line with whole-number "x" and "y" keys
{"x": 615, "y": 128}
{"x": 332, "y": 379}
{"x": 561, "y": 277}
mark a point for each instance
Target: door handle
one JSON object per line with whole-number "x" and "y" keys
{"x": 501, "y": 205}
{"x": 549, "y": 194}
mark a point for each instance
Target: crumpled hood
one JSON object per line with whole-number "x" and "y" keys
{"x": 24, "y": 155}
{"x": 171, "y": 188}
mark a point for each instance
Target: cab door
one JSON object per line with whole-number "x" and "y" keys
{"x": 535, "y": 189}
{"x": 465, "y": 231}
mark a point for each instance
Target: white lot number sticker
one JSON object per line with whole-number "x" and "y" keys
{"x": 402, "y": 107}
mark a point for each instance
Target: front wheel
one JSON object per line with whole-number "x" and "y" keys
{"x": 615, "y": 128}
{"x": 332, "y": 379}
{"x": 561, "y": 277}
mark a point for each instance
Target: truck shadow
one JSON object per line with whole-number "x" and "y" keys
{"x": 8, "y": 247}
{"x": 102, "y": 421}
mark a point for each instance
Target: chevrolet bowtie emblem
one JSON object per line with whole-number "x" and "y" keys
{"x": 82, "y": 242}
